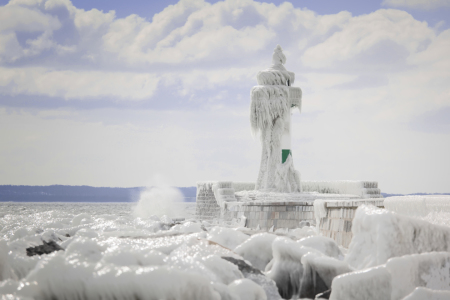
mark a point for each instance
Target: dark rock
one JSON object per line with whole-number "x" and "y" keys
{"x": 257, "y": 277}
{"x": 312, "y": 284}
{"x": 46, "y": 248}
{"x": 242, "y": 265}
{"x": 318, "y": 275}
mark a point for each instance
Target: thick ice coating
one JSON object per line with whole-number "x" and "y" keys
{"x": 421, "y": 293}
{"x": 380, "y": 234}
{"x": 257, "y": 249}
{"x": 270, "y": 112}
{"x": 396, "y": 279}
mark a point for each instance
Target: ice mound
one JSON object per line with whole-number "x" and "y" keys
{"x": 111, "y": 283}
{"x": 374, "y": 283}
{"x": 247, "y": 290}
{"x": 380, "y": 234}
{"x": 256, "y": 276}
{"x": 396, "y": 279}
{"x": 324, "y": 244}
{"x": 109, "y": 253}
{"x": 225, "y": 271}
{"x": 188, "y": 227}
{"x": 226, "y": 237}
{"x": 257, "y": 249}
{"x": 287, "y": 269}
{"x": 319, "y": 272}
{"x": 89, "y": 269}
{"x": 303, "y": 232}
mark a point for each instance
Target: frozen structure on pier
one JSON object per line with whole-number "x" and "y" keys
{"x": 278, "y": 199}
{"x": 273, "y": 99}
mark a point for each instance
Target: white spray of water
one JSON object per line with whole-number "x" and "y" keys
{"x": 159, "y": 200}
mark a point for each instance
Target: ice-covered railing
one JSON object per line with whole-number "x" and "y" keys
{"x": 364, "y": 189}
{"x": 418, "y": 205}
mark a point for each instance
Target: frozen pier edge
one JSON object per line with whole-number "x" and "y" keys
{"x": 330, "y": 205}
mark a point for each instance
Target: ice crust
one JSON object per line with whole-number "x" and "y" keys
{"x": 379, "y": 234}
{"x": 257, "y": 249}
{"x": 109, "y": 253}
{"x": 421, "y": 293}
{"x": 396, "y": 279}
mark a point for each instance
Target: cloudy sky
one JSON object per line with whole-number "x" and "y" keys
{"x": 112, "y": 93}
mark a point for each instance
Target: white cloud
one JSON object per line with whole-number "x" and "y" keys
{"x": 418, "y": 4}
{"x": 77, "y": 84}
{"x": 92, "y": 19}
{"x": 18, "y": 18}
{"x": 364, "y": 32}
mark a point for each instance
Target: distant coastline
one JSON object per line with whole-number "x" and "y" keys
{"x": 68, "y": 193}
{"x": 84, "y": 193}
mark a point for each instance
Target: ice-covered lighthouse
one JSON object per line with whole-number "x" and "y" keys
{"x": 272, "y": 102}
{"x": 278, "y": 199}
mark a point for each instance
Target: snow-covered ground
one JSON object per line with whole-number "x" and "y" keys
{"x": 123, "y": 251}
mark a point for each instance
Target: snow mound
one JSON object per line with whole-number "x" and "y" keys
{"x": 325, "y": 245}
{"x": 380, "y": 234}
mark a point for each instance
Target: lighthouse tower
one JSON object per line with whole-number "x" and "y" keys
{"x": 272, "y": 102}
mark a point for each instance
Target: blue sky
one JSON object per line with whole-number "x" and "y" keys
{"x": 112, "y": 93}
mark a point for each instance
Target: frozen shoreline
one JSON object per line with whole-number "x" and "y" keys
{"x": 109, "y": 253}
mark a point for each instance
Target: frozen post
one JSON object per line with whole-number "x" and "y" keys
{"x": 272, "y": 101}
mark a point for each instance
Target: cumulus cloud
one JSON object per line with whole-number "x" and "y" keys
{"x": 418, "y": 4}
{"x": 208, "y": 54}
{"x": 363, "y": 33}
{"x": 365, "y": 80}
